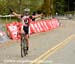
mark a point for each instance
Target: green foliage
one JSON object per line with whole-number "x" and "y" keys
{"x": 70, "y": 12}
{"x": 2, "y": 7}
{"x": 60, "y": 6}
{"x": 19, "y": 5}
{"x": 46, "y": 7}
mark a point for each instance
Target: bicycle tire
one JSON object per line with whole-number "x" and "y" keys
{"x": 24, "y": 45}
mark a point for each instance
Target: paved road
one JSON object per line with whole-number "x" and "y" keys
{"x": 66, "y": 55}
{"x": 40, "y": 43}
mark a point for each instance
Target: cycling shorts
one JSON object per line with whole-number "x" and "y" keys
{"x": 26, "y": 29}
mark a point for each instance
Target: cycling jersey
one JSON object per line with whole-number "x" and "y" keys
{"x": 25, "y": 21}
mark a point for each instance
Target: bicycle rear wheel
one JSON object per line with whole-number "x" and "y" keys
{"x": 24, "y": 45}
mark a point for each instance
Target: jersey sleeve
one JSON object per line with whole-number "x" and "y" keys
{"x": 30, "y": 17}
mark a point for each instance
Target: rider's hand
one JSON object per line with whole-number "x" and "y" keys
{"x": 10, "y": 10}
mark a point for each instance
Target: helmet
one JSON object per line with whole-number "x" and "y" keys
{"x": 27, "y": 10}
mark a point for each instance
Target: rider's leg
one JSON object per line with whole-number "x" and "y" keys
{"x": 22, "y": 31}
{"x": 27, "y": 39}
{"x": 26, "y": 36}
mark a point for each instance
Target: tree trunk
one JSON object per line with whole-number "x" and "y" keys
{"x": 46, "y": 7}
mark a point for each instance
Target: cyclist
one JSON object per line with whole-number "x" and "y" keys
{"x": 26, "y": 16}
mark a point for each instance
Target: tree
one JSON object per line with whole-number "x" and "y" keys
{"x": 3, "y": 7}
{"x": 46, "y": 7}
{"x": 60, "y": 6}
{"x": 19, "y": 5}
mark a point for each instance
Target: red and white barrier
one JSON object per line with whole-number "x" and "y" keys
{"x": 35, "y": 27}
{"x": 13, "y": 30}
{"x": 2, "y": 33}
{"x": 43, "y": 25}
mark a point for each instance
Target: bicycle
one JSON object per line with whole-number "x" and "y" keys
{"x": 24, "y": 45}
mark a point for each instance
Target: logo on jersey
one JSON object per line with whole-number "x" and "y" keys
{"x": 26, "y": 20}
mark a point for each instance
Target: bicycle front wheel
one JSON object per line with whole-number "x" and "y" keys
{"x": 24, "y": 46}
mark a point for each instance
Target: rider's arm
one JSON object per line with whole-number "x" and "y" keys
{"x": 14, "y": 13}
{"x": 17, "y": 15}
{"x": 37, "y": 16}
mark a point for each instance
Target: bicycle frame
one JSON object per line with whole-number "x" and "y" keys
{"x": 24, "y": 45}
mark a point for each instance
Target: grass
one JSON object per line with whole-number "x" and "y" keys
{"x": 8, "y": 20}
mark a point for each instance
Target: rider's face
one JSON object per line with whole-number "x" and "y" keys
{"x": 26, "y": 13}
